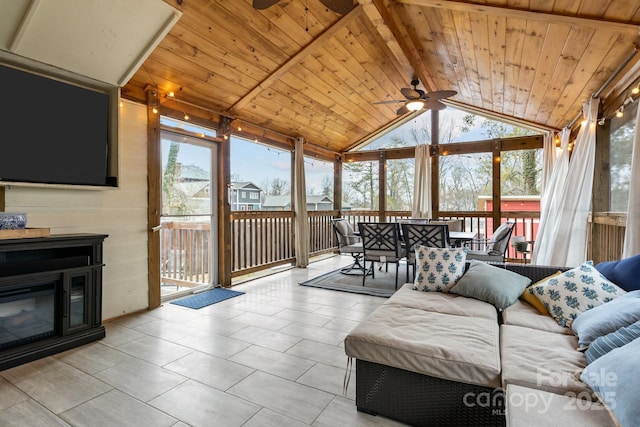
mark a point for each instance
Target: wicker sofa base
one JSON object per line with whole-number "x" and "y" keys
{"x": 422, "y": 400}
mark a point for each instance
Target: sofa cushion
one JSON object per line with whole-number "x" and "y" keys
{"x": 623, "y": 273}
{"x": 607, "y": 318}
{"x": 456, "y": 348}
{"x": 528, "y": 407}
{"x": 615, "y": 378}
{"x": 524, "y": 314}
{"x": 441, "y": 302}
{"x": 604, "y": 344}
{"x": 542, "y": 360}
{"x": 438, "y": 269}
{"x": 575, "y": 291}
{"x": 491, "y": 284}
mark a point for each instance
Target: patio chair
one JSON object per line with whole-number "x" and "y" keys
{"x": 381, "y": 243}
{"x": 495, "y": 248}
{"x": 349, "y": 243}
{"x": 430, "y": 235}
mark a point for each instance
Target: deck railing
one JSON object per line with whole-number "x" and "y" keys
{"x": 263, "y": 239}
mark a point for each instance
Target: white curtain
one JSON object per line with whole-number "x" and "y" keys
{"x": 548, "y": 158}
{"x": 556, "y": 174}
{"x": 422, "y": 183}
{"x": 300, "y": 203}
{"x": 569, "y": 234}
{"x": 632, "y": 233}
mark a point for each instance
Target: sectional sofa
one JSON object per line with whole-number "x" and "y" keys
{"x": 476, "y": 353}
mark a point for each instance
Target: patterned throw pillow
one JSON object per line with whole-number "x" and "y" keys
{"x": 438, "y": 269}
{"x": 575, "y": 291}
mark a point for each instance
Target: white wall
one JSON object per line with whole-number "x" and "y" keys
{"x": 121, "y": 213}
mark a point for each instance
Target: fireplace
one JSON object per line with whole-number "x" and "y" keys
{"x": 50, "y": 295}
{"x": 27, "y": 314}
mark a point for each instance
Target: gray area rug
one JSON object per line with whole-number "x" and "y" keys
{"x": 382, "y": 286}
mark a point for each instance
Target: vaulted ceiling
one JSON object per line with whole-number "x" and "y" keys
{"x": 313, "y": 73}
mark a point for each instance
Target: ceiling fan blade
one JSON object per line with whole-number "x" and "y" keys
{"x": 391, "y": 101}
{"x": 263, "y": 4}
{"x": 402, "y": 110}
{"x": 434, "y": 104}
{"x": 410, "y": 93}
{"x": 440, "y": 94}
{"x": 338, "y": 6}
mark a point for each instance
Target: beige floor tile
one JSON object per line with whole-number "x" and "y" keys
{"x": 210, "y": 370}
{"x": 342, "y": 412}
{"x": 200, "y": 405}
{"x": 10, "y": 394}
{"x": 286, "y": 397}
{"x": 62, "y": 387}
{"x": 213, "y": 344}
{"x": 263, "y": 321}
{"x": 29, "y": 413}
{"x": 273, "y": 362}
{"x": 303, "y": 317}
{"x": 116, "y": 408}
{"x": 267, "y": 418}
{"x": 94, "y": 357}
{"x": 155, "y": 350}
{"x": 166, "y": 329}
{"x": 329, "y": 379}
{"x": 314, "y": 333}
{"x": 140, "y": 379}
{"x": 266, "y": 338}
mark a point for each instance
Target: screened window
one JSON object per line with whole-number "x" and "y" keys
{"x": 620, "y": 150}
{"x": 360, "y": 189}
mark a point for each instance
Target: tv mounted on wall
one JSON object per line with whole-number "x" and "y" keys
{"x": 54, "y": 132}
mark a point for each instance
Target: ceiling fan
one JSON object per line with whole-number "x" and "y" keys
{"x": 338, "y": 6}
{"x": 416, "y": 99}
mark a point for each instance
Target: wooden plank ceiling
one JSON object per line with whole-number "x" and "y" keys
{"x": 316, "y": 74}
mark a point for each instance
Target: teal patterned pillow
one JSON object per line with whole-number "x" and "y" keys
{"x": 438, "y": 269}
{"x": 575, "y": 291}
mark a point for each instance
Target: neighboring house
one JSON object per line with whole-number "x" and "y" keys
{"x": 277, "y": 203}
{"x": 245, "y": 196}
{"x": 319, "y": 203}
{"x": 283, "y": 203}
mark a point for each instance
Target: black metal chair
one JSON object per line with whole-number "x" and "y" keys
{"x": 495, "y": 248}
{"x": 430, "y": 235}
{"x": 349, "y": 244}
{"x": 381, "y": 243}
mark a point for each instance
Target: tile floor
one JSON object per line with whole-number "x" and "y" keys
{"x": 271, "y": 357}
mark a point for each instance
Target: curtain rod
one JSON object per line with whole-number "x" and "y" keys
{"x": 618, "y": 70}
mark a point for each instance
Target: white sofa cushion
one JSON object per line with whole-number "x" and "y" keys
{"x": 441, "y": 302}
{"x": 528, "y": 407}
{"x": 524, "y": 314}
{"x": 542, "y": 360}
{"x": 447, "y": 346}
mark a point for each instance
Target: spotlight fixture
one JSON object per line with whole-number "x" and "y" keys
{"x": 154, "y": 110}
{"x": 636, "y": 90}
{"x": 601, "y": 121}
{"x": 186, "y": 116}
{"x": 620, "y": 112}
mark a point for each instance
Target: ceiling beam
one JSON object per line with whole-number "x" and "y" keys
{"x": 548, "y": 17}
{"x": 381, "y": 14}
{"x": 296, "y": 59}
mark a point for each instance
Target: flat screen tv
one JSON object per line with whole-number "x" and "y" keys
{"x": 53, "y": 132}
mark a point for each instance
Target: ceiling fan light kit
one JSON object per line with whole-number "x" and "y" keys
{"x": 415, "y": 105}
{"x": 417, "y": 99}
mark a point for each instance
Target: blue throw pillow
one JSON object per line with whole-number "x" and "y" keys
{"x": 615, "y": 378}
{"x": 606, "y": 318}
{"x": 624, "y": 273}
{"x": 604, "y": 344}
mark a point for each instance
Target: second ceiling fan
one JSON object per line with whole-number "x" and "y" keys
{"x": 338, "y": 6}
{"x": 417, "y": 99}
